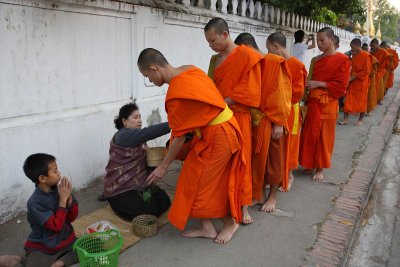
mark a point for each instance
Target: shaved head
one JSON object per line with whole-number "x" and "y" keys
{"x": 356, "y": 42}
{"x": 374, "y": 42}
{"x": 151, "y": 56}
{"x": 246, "y": 38}
{"x": 329, "y": 32}
{"x": 384, "y": 45}
{"x": 218, "y": 25}
{"x": 364, "y": 47}
{"x": 277, "y": 38}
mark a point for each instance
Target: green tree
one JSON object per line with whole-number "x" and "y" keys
{"x": 327, "y": 11}
{"x": 389, "y": 18}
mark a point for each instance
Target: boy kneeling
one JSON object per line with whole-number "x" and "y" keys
{"x": 51, "y": 209}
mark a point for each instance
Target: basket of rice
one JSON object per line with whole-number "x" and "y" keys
{"x": 155, "y": 155}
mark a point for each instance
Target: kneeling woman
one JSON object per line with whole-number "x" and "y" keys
{"x": 125, "y": 184}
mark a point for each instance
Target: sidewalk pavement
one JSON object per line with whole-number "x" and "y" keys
{"x": 315, "y": 223}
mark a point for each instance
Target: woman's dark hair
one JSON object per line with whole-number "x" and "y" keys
{"x": 124, "y": 112}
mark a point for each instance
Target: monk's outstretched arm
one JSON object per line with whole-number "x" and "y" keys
{"x": 173, "y": 151}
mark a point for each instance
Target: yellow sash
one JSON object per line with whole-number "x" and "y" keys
{"x": 295, "y": 128}
{"x": 222, "y": 117}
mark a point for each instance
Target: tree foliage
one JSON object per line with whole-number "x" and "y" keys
{"x": 389, "y": 18}
{"x": 327, "y": 11}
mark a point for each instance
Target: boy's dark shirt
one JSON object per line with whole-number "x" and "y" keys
{"x": 51, "y": 225}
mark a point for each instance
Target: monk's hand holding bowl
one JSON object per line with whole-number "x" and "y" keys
{"x": 157, "y": 174}
{"x": 277, "y": 132}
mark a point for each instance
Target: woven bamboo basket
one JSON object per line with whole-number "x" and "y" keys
{"x": 155, "y": 155}
{"x": 145, "y": 225}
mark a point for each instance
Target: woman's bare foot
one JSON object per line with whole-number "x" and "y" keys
{"x": 207, "y": 230}
{"x": 9, "y": 260}
{"x": 319, "y": 175}
{"x": 58, "y": 264}
{"x": 247, "y": 219}
{"x": 308, "y": 171}
{"x": 227, "y": 232}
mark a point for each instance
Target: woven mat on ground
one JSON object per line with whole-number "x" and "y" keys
{"x": 106, "y": 213}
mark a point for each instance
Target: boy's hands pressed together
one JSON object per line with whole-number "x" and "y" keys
{"x": 64, "y": 191}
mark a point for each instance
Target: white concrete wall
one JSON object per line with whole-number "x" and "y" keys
{"x": 67, "y": 67}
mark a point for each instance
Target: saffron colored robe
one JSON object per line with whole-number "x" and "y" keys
{"x": 267, "y": 167}
{"x": 394, "y": 65}
{"x": 357, "y": 92}
{"x": 211, "y": 178}
{"x": 383, "y": 57}
{"x": 372, "y": 100}
{"x": 318, "y": 133}
{"x": 299, "y": 76}
{"x": 239, "y": 78}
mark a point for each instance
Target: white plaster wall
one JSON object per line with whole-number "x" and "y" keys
{"x": 66, "y": 68}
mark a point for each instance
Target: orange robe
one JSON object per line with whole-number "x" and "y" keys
{"x": 383, "y": 57}
{"x": 388, "y": 71}
{"x": 371, "y": 89}
{"x": 394, "y": 65}
{"x": 299, "y": 76}
{"x": 318, "y": 133}
{"x": 210, "y": 180}
{"x": 357, "y": 93}
{"x": 239, "y": 78}
{"x": 275, "y": 104}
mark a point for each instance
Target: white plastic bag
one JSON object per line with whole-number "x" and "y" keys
{"x": 101, "y": 226}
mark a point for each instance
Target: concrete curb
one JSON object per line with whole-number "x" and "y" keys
{"x": 338, "y": 231}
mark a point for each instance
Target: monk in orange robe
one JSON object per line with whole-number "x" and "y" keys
{"x": 330, "y": 76}
{"x": 210, "y": 183}
{"x": 270, "y": 127}
{"x": 383, "y": 57}
{"x": 393, "y": 63}
{"x": 371, "y": 100}
{"x": 357, "y": 92}
{"x": 276, "y": 44}
{"x": 236, "y": 72}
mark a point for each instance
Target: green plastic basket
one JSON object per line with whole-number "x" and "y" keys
{"x": 99, "y": 249}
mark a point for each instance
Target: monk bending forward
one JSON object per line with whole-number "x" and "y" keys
{"x": 329, "y": 79}
{"x": 210, "y": 181}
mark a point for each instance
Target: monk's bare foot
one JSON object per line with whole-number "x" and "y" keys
{"x": 319, "y": 175}
{"x": 358, "y": 123}
{"x": 227, "y": 232}
{"x": 290, "y": 182}
{"x": 9, "y": 260}
{"x": 269, "y": 205}
{"x": 247, "y": 219}
{"x": 207, "y": 230}
{"x": 308, "y": 171}
{"x": 343, "y": 122}
{"x": 380, "y": 103}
